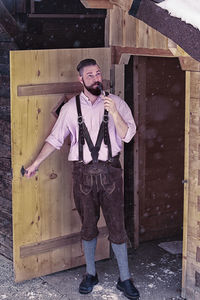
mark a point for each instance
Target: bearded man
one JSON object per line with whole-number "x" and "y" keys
{"x": 97, "y": 123}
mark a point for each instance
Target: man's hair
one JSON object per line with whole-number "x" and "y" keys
{"x": 85, "y": 63}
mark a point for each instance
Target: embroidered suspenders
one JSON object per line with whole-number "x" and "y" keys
{"x": 84, "y": 135}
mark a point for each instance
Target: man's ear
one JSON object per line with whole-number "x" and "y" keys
{"x": 80, "y": 79}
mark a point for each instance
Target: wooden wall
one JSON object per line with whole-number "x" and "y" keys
{"x": 5, "y": 148}
{"x": 127, "y": 31}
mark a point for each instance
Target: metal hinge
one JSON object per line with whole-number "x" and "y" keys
{"x": 184, "y": 181}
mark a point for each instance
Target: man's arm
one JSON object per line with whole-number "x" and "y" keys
{"x": 44, "y": 153}
{"x": 120, "y": 124}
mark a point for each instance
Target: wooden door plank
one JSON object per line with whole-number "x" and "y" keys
{"x": 51, "y": 244}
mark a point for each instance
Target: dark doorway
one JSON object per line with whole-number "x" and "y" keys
{"x": 155, "y": 89}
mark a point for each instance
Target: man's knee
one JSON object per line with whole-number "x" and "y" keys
{"x": 89, "y": 234}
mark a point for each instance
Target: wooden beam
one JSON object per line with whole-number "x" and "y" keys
{"x": 9, "y": 24}
{"x": 52, "y": 244}
{"x": 67, "y": 16}
{"x": 186, "y": 181}
{"x": 54, "y": 88}
{"x": 136, "y": 160}
{"x": 176, "y": 49}
{"x": 122, "y": 54}
{"x": 97, "y": 4}
{"x": 189, "y": 64}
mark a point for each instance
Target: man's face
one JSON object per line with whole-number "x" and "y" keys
{"x": 92, "y": 80}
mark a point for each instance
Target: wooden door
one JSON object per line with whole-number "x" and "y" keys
{"x": 46, "y": 225}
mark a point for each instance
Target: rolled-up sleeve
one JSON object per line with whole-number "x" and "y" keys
{"x": 60, "y": 130}
{"x": 130, "y": 132}
{"x": 127, "y": 116}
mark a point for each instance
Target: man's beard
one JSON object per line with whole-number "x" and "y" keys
{"x": 94, "y": 91}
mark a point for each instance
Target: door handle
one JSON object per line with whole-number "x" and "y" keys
{"x": 23, "y": 171}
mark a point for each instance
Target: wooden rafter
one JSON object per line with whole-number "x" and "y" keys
{"x": 122, "y": 54}
{"x": 189, "y": 64}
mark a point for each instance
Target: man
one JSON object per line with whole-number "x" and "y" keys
{"x": 97, "y": 125}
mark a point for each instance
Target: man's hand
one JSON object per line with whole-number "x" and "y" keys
{"x": 31, "y": 170}
{"x": 44, "y": 153}
{"x": 121, "y": 126}
{"x": 109, "y": 105}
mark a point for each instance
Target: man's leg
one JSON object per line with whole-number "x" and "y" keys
{"x": 90, "y": 279}
{"x": 87, "y": 205}
{"x": 120, "y": 251}
{"x": 89, "y": 252}
{"x": 113, "y": 209}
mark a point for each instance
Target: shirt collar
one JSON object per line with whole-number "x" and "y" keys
{"x": 86, "y": 99}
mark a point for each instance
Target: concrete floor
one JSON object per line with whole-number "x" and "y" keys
{"x": 156, "y": 273}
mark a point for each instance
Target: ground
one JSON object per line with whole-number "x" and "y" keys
{"x": 156, "y": 273}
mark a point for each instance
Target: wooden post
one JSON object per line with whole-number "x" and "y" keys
{"x": 186, "y": 178}
{"x": 136, "y": 153}
{"x": 139, "y": 147}
{"x": 191, "y": 230}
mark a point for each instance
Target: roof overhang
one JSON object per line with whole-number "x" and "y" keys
{"x": 183, "y": 34}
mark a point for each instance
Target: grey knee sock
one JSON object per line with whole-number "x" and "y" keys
{"x": 89, "y": 251}
{"x": 120, "y": 251}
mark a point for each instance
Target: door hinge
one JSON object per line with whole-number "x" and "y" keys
{"x": 184, "y": 181}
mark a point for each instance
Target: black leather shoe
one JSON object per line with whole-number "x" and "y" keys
{"x": 128, "y": 288}
{"x": 86, "y": 285}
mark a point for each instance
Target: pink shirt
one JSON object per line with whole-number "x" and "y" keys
{"x": 92, "y": 115}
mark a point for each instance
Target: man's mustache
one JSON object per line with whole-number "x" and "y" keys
{"x": 98, "y": 83}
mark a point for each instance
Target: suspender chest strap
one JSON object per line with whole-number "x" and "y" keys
{"x": 84, "y": 135}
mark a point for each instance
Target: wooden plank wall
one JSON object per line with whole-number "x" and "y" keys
{"x": 6, "y": 43}
{"x": 127, "y": 31}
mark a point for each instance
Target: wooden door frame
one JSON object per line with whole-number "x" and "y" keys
{"x": 139, "y": 156}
